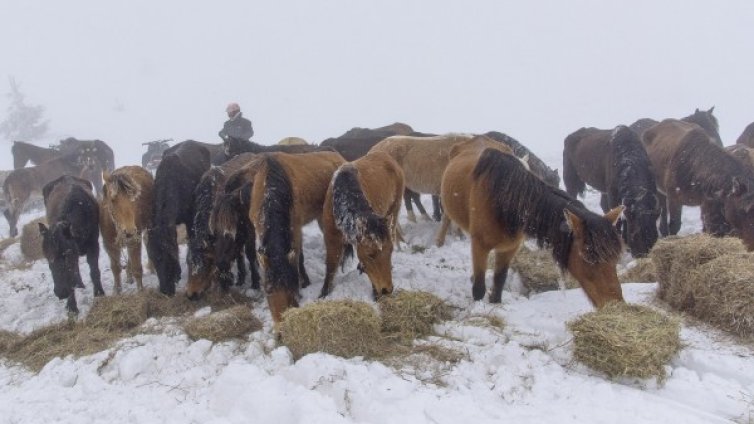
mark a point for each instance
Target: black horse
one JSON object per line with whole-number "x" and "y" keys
{"x": 177, "y": 176}
{"x": 73, "y": 218}
{"x": 615, "y": 163}
{"x": 152, "y": 157}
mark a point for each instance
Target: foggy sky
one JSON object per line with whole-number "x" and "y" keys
{"x": 129, "y": 72}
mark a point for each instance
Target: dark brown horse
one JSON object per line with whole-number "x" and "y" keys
{"x": 235, "y": 146}
{"x": 152, "y": 157}
{"x": 747, "y": 137}
{"x": 704, "y": 118}
{"x": 125, "y": 213}
{"x": 361, "y": 210}
{"x": 180, "y": 170}
{"x": 615, "y": 163}
{"x": 288, "y": 192}
{"x": 691, "y": 169}
{"x": 24, "y": 153}
{"x": 498, "y": 202}
{"x": 21, "y": 183}
{"x": 72, "y": 216}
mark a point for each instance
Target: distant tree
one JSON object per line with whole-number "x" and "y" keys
{"x": 22, "y": 122}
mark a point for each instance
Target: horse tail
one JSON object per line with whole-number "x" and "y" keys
{"x": 574, "y": 184}
{"x": 353, "y": 215}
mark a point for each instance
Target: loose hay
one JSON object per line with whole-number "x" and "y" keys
{"x": 643, "y": 271}
{"x": 407, "y": 315}
{"x": 538, "y": 271}
{"x": 345, "y": 328}
{"x": 623, "y": 340}
{"x": 236, "y": 321}
{"x": 122, "y": 312}
{"x": 31, "y": 240}
{"x": 720, "y": 292}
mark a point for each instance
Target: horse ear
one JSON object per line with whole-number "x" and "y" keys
{"x": 575, "y": 224}
{"x": 106, "y": 175}
{"x": 696, "y": 110}
{"x": 711, "y": 109}
{"x": 613, "y": 214}
{"x": 43, "y": 230}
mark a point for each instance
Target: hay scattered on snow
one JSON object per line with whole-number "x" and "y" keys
{"x": 344, "y": 328}
{"x": 236, "y": 321}
{"x": 720, "y": 292}
{"x": 31, "y": 240}
{"x": 643, "y": 271}
{"x": 408, "y": 315}
{"x": 538, "y": 270}
{"x": 623, "y": 340}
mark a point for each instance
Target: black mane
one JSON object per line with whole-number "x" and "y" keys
{"x": 525, "y": 203}
{"x": 353, "y": 215}
{"x": 632, "y": 167}
{"x": 536, "y": 165}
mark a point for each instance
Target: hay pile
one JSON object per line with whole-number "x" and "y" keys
{"x": 623, "y": 340}
{"x": 31, "y": 240}
{"x": 407, "y": 315}
{"x": 643, "y": 271}
{"x": 340, "y": 327}
{"x": 538, "y": 271}
{"x": 236, "y": 321}
{"x": 110, "y": 319}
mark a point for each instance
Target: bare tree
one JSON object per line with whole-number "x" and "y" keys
{"x": 22, "y": 121}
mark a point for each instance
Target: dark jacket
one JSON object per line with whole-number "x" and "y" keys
{"x": 237, "y": 127}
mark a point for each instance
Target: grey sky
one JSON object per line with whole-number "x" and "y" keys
{"x": 128, "y": 72}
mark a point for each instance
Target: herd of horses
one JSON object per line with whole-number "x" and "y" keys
{"x": 245, "y": 204}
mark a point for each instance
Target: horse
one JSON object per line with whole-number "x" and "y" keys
{"x": 747, "y": 137}
{"x": 288, "y": 192}
{"x": 291, "y": 141}
{"x": 356, "y": 142}
{"x": 72, "y": 216}
{"x": 615, "y": 163}
{"x": 152, "y": 157}
{"x": 743, "y": 153}
{"x": 202, "y": 265}
{"x": 703, "y": 118}
{"x": 536, "y": 165}
{"x": 498, "y": 202}
{"x": 125, "y": 213}
{"x": 26, "y": 152}
{"x": 691, "y": 169}
{"x": 234, "y": 146}
{"x": 97, "y": 149}
{"x": 361, "y": 210}
{"x": 177, "y": 176}
{"x": 21, "y": 183}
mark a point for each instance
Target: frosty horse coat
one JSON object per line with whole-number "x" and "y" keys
{"x": 72, "y": 216}
{"x": 361, "y": 210}
{"x": 288, "y": 192}
{"x": 356, "y": 142}
{"x": 498, "y": 202}
{"x": 180, "y": 170}
{"x": 21, "y": 183}
{"x": 125, "y": 213}
{"x": 691, "y": 169}
{"x": 615, "y": 163}
{"x": 202, "y": 265}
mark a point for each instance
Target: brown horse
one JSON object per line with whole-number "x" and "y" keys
{"x": 26, "y": 152}
{"x": 691, "y": 169}
{"x": 498, "y": 202}
{"x": 361, "y": 210}
{"x": 615, "y": 163}
{"x": 21, "y": 183}
{"x": 288, "y": 192}
{"x": 125, "y": 213}
{"x": 747, "y": 137}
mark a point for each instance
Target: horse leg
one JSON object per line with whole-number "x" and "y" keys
{"x": 92, "y": 258}
{"x": 663, "y": 214}
{"x": 437, "y": 211}
{"x": 70, "y": 304}
{"x": 334, "y": 247}
{"x": 502, "y": 260}
{"x": 674, "y": 214}
{"x": 479, "y": 255}
{"x": 417, "y": 199}
{"x": 303, "y": 276}
{"x": 241, "y": 267}
{"x": 250, "y": 249}
{"x": 113, "y": 252}
{"x": 443, "y": 231}
{"x": 409, "y": 208}
{"x": 134, "y": 264}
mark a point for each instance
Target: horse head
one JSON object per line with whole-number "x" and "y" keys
{"x": 641, "y": 213}
{"x": 375, "y": 253}
{"x": 708, "y": 122}
{"x": 739, "y": 209}
{"x": 120, "y": 197}
{"x": 62, "y": 255}
{"x": 233, "y": 146}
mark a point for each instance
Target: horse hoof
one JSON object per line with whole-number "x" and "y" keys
{"x": 478, "y": 293}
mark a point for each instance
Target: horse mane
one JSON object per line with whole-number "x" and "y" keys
{"x": 706, "y": 120}
{"x": 633, "y": 168}
{"x": 536, "y": 164}
{"x": 353, "y": 215}
{"x": 123, "y": 183}
{"x": 276, "y": 217}
{"x": 523, "y": 202}
{"x": 707, "y": 165}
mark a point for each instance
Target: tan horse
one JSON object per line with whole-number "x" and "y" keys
{"x": 498, "y": 202}
{"x": 288, "y": 192}
{"x": 125, "y": 213}
{"x": 361, "y": 209}
{"x": 292, "y": 141}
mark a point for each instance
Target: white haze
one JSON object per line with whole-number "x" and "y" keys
{"x": 128, "y": 72}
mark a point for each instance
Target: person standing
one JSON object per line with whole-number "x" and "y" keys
{"x": 236, "y": 126}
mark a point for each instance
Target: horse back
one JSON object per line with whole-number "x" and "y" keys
{"x": 747, "y": 137}
{"x": 662, "y": 142}
{"x": 310, "y": 175}
{"x": 381, "y": 181}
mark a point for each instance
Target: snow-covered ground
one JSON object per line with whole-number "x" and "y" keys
{"x": 522, "y": 373}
